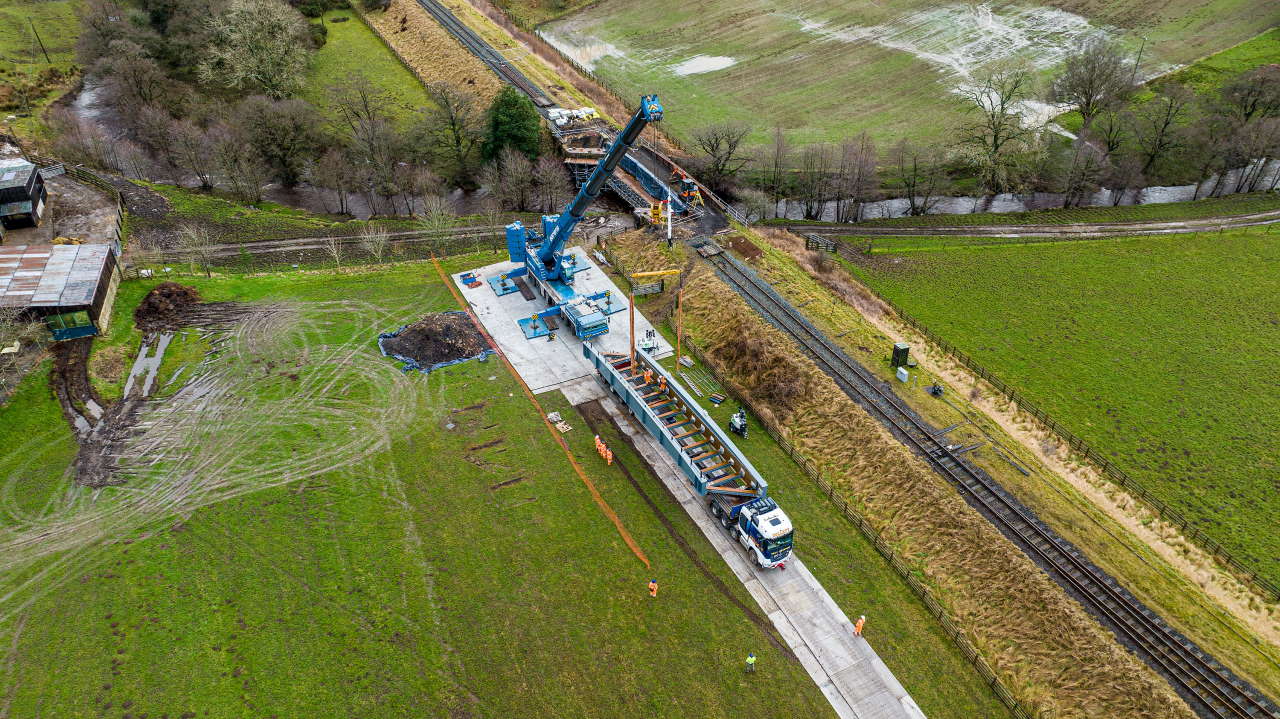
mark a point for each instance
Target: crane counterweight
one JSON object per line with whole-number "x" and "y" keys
{"x": 542, "y": 252}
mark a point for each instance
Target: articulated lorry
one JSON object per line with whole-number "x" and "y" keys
{"x": 735, "y": 493}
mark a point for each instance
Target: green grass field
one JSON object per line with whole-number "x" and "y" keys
{"x": 21, "y": 56}
{"x": 352, "y": 47}
{"x": 828, "y": 70}
{"x": 326, "y": 536}
{"x": 1153, "y": 349}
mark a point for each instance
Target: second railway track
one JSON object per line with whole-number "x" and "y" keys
{"x": 1211, "y": 689}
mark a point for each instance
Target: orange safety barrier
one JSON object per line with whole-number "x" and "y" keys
{"x": 595, "y": 494}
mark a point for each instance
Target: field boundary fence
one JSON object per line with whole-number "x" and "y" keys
{"x": 1101, "y": 462}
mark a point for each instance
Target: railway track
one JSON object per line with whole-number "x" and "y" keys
{"x": 1211, "y": 689}
{"x": 486, "y": 52}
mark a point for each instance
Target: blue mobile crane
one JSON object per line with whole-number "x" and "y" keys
{"x": 542, "y": 257}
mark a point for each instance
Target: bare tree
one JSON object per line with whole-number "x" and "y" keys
{"x": 1109, "y": 130}
{"x": 998, "y": 128}
{"x": 16, "y": 327}
{"x": 755, "y": 202}
{"x": 451, "y": 131}
{"x": 256, "y": 45}
{"x": 1082, "y": 173}
{"x": 286, "y": 134}
{"x": 920, "y": 172}
{"x": 1154, "y": 124}
{"x": 857, "y": 180}
{"x": 1123, "y": 175}
{"x": 1093, "y": 77}
{"x": 1255, "y": 93}
{"x": 133, "y": 79}
{"x": 814, "y": 179}
{"x": 778, "y": 158}
{"x": 333, "y": 172}
{"x": 551, "y": 182}
{"x": 196, "y": 242}
{"x": 335, "y": 248}
{"x": 191, "y": 149}
{"x": 721, "y": 152}
{"x": 513, "y": 179}
{"x": 1257, "y": 142}
{"x": 363, "y": 117}
{"x": 375, "y": 240}
{"x": 438, "y": 216}
{"x": 239, "y": 162}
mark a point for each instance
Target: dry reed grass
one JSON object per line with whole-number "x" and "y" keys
{"x": 1050, "y": 653}
{"x": 430, "y": 51}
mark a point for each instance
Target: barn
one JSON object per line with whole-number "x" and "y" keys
{"x": 72, "y": 287}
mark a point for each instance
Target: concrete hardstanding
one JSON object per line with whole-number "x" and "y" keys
{"x": 544, "y": 365}
{"x": 845, "y": 667}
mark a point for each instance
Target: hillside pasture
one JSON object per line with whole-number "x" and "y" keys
{"x": 827, "y": 70}
{"x": 1155, "y": 350}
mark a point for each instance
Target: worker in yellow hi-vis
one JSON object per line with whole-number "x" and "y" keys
{"x": 751, "y": 662}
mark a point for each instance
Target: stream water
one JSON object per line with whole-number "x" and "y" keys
{"x": 900, "y": 207}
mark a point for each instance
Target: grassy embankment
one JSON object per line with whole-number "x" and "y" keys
{"x": 1233, "y": 638}
{"x": 23, "y": 61}
{"x": 1007, "y": 607}
{"x": 352, "y": 47}
{"x": 406, "y": 579}
{"x": 1123, "y": 342}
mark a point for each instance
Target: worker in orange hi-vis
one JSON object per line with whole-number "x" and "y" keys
{"x": 662, "y": 383}
{"x": 653, "y": 588}
{"x": 648, "y": 376}
{"x": 857, "y": 626}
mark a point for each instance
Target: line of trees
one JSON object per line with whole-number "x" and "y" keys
{"x": 1129, "y": 137}
{"x": 206, "y": 91}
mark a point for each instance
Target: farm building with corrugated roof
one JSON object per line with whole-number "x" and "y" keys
{"x": 22, "y": 193}
{"x": 72, "y": 287}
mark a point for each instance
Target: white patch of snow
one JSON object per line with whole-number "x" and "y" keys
{"x": 703, "y": 63}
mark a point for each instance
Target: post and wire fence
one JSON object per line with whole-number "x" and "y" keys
{"x": 1097, "y": 459}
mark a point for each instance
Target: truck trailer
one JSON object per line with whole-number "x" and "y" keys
{"x": 736, "y": 495}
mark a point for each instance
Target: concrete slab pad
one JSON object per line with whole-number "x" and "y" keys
{"x": 844, "y": 667}
{"x": 543, "y": 365}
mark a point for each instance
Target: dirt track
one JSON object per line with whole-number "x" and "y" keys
{"x": 1098, "y": 229}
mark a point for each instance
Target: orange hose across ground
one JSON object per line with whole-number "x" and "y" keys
{"x": 595, "y": 494}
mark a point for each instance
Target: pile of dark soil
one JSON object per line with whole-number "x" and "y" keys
{"x": 436, "y": 338}
{"x": 165, "y": 307}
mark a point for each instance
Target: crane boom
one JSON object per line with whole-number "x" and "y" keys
{"x": 650, "y": 110}
{"x": 549, "y": 268}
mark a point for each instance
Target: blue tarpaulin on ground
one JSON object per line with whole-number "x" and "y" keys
{"x": 411, "y": 365}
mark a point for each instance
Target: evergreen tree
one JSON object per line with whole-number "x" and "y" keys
{"x": 514, "y": 123}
